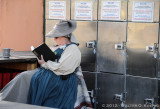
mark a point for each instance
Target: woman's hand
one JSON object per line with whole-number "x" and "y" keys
{"x": 41, "y": 61}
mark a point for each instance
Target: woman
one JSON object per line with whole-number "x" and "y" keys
{"x": 55, "y": 84}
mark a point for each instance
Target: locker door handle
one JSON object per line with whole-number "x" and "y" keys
{"x": 150, "y": 101}
{"x": 120, "y": 46}
{"x": 118, "y": 97}
{"x": 91, "y": 44}
{"x": 151, "y": 48}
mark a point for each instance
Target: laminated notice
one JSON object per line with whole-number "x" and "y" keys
{"x": 83, "y": 10}
{"x": 143, "y": 11}
{"x": 111, "y": 10}
{"x": 57, "y": 10}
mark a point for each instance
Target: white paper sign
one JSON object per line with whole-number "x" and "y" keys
{"x": 57, "y": 10}
{"x": 83, "y": 10}
{"x": 143, "y": 11}
{"x": 111, "y": 10}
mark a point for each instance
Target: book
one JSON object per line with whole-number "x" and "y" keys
{"x": 44, "y": 50}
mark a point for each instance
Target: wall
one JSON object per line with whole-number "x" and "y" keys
{"x": 21, "y": 24}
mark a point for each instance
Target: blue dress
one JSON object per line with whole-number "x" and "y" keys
{"x": 48, "y": 89}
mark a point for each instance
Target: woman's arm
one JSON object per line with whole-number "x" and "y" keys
{"x": 68, "y": 62}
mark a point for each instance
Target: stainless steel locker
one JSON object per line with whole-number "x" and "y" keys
{"x": 110, "y": 53}
{"x": 110, "y": 89}
{"x": 66, "y": 4}
{"x": 85, "y": 33}
{"x": 94, "y": 8}
{"x": 142, "y": 49}
{"x": 142, "y": 92}
{"x": 123, "y": 10}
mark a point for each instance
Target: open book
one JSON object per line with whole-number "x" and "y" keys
{"x": 44, "y": 50}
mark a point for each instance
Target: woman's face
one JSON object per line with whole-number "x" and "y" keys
{"x": 60, "y": 40}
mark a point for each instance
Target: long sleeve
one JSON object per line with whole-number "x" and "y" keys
{"x": 69, "y": 61}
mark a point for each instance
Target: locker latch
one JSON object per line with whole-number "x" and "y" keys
{"x": 118, "y": 97}
{"x": 91, "y": 44}
{"x": 150, "y": 102}
{"x": 120, "y": 46}
{"x": 151, "y": 48}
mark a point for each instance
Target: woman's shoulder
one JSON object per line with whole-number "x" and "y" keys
{"x": 73, "y": 48}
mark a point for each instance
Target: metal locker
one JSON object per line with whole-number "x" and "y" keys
{"x": 143, "y": 10}
{"x": 110, "y": 53}
{"x": 112, "y": 10}
{"x": 110, "y": 88}
{"x": 61, "y": 9}
{"x": 85, "y": 34}
{"x": 142, "y": 49}
{"x": 84, "y": 9}
{"x": 142, "y": 92}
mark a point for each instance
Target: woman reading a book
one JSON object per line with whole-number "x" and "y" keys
{"x": 55, "y": 84}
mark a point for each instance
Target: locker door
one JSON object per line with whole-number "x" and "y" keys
{"x": 86, "y": 31}
{"x": 110, "y": 91}
{"x": 142, "y": 92}
{"x": 110, "y": 53}
{"x": 142, "y": 49}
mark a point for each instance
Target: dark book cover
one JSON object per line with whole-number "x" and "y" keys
{"x": 44, "y": 50}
